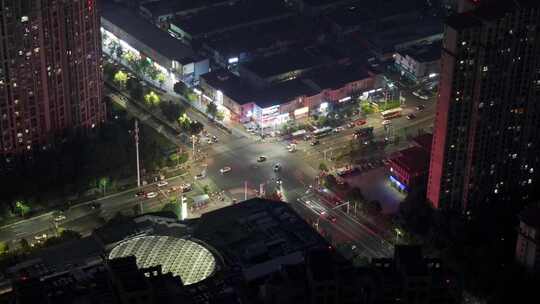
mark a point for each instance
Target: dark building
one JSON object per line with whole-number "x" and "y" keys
{"x": 528, "y": 240}
{"x": 486, "y": 140}
{"x": 50, "y": 73}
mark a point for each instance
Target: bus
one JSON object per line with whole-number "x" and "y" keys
{"x": 392, "y": 113}
{"x": 322, "y": 132}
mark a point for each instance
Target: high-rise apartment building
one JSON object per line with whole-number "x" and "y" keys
{"x": 487, "y": 128}
{"x": 50, "y": 71}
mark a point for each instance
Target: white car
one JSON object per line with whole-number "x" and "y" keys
{"x": 151, "y": 194}
{"x": 386, "y": 122}
{"x": 277, "y": 167}
{"x": 225, "y": 170}
{"x": 185, "y": 187}
{"x": 40, "y": 237}
{"x": 59, "y": 218}
{"x": 162, "y": 183}
{"x": 200, "y": 176}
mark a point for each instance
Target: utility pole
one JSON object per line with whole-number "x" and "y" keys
{"x": 137, "y": 151}
{"x": 193, "y": 141}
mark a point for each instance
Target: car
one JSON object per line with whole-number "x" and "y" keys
{"x": 162, "y": 183}
{"x": 210, "y": 141}
{"x": 185, "y": 187}
{"x": 59, "y": 218}
{"x": 307, "y": 137}
{"x": 386, "y": 122}
{"x": 94, "y": 205}
{"x": 261, "y": 158}
{"x": 140, "y": 193}
{"x": 279, "y": 181}
{"x": 291, "y": 148}
{"x": 200, "y": 176}
{"x": 420, "y": 108}
{"x": 214, "y": 139}
{"x": 315, "y": 142}
{"x": 151, "y": 194}
{"x": 423, "y": 97}
{"x": 225, "y": 170}
{"x": 328, "y": 217}
{"x": 411, "y": 116}
{"x": 40, "y": 237}
{"x": 361, "y": 122}
{"x": 277, "y": 167}
{"x": 338, "y": 129}
{"x": 350, "y": 125}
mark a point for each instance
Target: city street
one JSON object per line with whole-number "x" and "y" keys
{"x": 246, "y": 178}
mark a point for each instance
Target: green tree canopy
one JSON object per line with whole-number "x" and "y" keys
{"x": 323, "y": 167}
{"x": 151, "y": 98}
{"x": 211, "y": 109}
{"x": 120, "y": 78}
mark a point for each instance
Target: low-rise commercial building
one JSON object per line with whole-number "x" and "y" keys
{"x": 273, "y": 97}
{"x": 408, "y": 168}
{"x": 160, "y": 12}
{"x": 217, "y": 20}
{"x": 420, "y": 61}
{"x": 125, "y": 29}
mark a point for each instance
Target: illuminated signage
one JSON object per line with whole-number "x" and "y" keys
{"x": 301, "y": 111}
{"x": 270, "y": 110}
{"x": 219, "y": 97}
{"x": 233, "y": 60}
{"x": 398, "y": 183}
{"x": 323, "y": 107}
{"x": 345, "y": 99}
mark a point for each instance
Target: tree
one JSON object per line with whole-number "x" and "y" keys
{"x": 135, "y": 88}
{"x": 103, "y": 183}
{"x": 355, "y": 194}
{"x": 25, "y": 246}
{"x": 220, "y": 115}
{"x": 375, "y": 207}
{"x": 22, "y": 208}
{"x": 4, "y": 248}
{"x": 120, "y": 78}
{"x": 173, "y": 207}
{"x": 151, "y": 98}
{"x": 119, "y": 51}
{"x": 108, "y": 71}
{"x": 323, "y": 167}
{"x": 195, "y": 128}
{"x": 161, "y": 79}
{"x": 181, "y": 88}
{"x": 171, "y": 110}
{"x": 184, "y": 122}
{"x": 211, "y": 109}
{"x": 330, "y": 181}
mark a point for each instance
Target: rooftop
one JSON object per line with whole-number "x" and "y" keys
{"x": 336, "y": 76}
{"x": 230, "y": 84}
{"x": 360, "y": 12}
{"x": 167, "y": 7}
{"x": 423, "y": 52}
{"x": 221, "y": 18}
{"x": 531, "y": 216}
{"x": 146, "y": 33}
{"x": 413, "y": 159}
{"x": 242, "y": 92}
{"x": 185, "y": 258}
{"x": 262, "y": 36}
{"x": 424, "y": 141}
{"x": 294, "y": 60}
{"x": 257, "y": 231}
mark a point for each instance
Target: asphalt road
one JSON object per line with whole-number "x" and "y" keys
{"x": 239, "y": 151}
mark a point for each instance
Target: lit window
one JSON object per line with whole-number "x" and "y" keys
{"x": 530, "y": 181}
{"x": 484, "y": 68}
{"x": 24, "y": 18}
{"x": 464, "y": 43}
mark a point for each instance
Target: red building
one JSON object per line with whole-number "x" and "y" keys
{"x": 408, "y": 168}
{"x": 50, "y": 71}
{"x": 486, "y": 140}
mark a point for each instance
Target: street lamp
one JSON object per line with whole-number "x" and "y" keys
{"x": 398, "y": 233}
